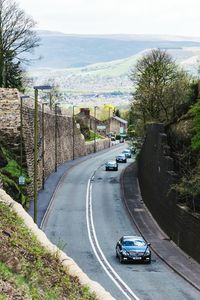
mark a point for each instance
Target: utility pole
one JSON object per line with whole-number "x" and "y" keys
{"x": 43, "y": 145}
{"x": 56, "y": 137}
{"x": 35, "y": 188}
{"x": 95, "y": 128}
{"x": 109, "y": 126}
{"x": 73, "y": 155}
{"x": 35, "y": 153}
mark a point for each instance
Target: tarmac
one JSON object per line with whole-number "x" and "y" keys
{"x": 161, "y": 244}
{"x": 171, "y": 254}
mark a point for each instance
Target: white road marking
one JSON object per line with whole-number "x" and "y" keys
{"x": 128, "y": 293}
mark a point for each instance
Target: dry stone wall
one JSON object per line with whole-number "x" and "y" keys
{"x": 9, "y": 115}
{"x": 10, "y": 132}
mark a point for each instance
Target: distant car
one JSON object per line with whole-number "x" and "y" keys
{"x": 133, "y": 248}
{"x": 127, "y": 153}
{"x": 121, "y": 158}
{"x": 111, "y": 165}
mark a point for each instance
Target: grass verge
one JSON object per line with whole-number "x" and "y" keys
{"x": 28, "y": 270}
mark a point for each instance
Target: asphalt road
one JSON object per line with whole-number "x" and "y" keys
{"x": 86, "y": 219}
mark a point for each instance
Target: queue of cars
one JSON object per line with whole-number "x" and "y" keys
{"x": 129, "y": 248}
{"x": 121, "y": 158}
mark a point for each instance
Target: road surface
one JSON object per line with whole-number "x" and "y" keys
{"x": 86, "y": 219}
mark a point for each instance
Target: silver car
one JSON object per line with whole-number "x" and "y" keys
{"x": 111, "y": 165}
{"x": 121, "y": 158}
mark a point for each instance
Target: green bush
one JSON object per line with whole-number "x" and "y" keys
{"x": 10, "y": 171}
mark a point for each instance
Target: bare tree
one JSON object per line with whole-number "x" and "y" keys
{"x": 16, "y": 37}
{"x": 161, "y": 86}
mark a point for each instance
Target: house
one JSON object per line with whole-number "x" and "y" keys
{"x": 113, "y": 125}
{"x": 118, "y": 125}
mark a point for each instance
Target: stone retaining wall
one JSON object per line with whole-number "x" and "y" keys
{"x": 10, "y": 133}
{"x": 156, "y": 177}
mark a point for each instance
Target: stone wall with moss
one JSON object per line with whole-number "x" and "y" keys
{"x": 10, "y": 135}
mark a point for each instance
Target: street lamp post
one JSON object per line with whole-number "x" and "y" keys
{"x": 73, "y": 134}
{"x": 95, "y": 127}
{"x": 50, "y": 100}
{"x": 56, "y": 137}
{"x": 36, "y": 89}
{"x": 109, "y": 126}
{"x": 43, "y": 145}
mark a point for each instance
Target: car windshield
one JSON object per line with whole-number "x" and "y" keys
{"x": 137, "y": 243}
{"x": 128, "y": 243}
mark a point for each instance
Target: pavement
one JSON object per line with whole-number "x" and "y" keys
{"x": 172, "y": 255}
{"x": 161, "y": 244}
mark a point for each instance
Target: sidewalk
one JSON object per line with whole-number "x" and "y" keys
{"x": 149, "y": 229}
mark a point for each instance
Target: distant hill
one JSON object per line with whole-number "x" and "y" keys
{"x": 59, "y": 50}
{"x": 96, "y": 68}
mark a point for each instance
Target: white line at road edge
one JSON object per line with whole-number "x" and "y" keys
{"x": 96, "y": 248}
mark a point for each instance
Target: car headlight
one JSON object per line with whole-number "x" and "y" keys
{"x": 124, "y": 252}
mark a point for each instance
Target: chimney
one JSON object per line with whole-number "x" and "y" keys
{"x": 85, "y": 112}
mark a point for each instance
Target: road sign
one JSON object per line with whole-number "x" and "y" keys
{"x": 101, "y": 127}
{"x": 21, "y": 180}
{"x": 121, "y": 130}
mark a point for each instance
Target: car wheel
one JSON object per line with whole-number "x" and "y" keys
{"x": 121, "y": 259}
{"x": 106, "y": 169}
{"x": 116, "y": 254}
{"x": 149, "y": 262}
{"x": 116, "y": 169}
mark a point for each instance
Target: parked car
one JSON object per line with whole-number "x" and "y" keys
{"x": 111, "y": 165}
{"x": 133, "y": 248}
{"x": 127, "y": 153}
{"x": 121, "y": 158}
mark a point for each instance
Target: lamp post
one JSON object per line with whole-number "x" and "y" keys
{"x": 36, "y": 89}
{"x": 50, "y": 101}
{"x": 73, "y": 133}
{"x": 95, "y": 127}
{"x": 43, "y": 145}
{"x": 56, "y": 136}
{"x": 109, "y": 126}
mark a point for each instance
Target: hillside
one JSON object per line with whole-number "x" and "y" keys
{"x": 95, "y": 69}
{"x": 67, "y": 51}
{"x": 28, "y": 270}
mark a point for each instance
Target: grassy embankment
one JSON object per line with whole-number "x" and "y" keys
{"x": 27, "y": 270}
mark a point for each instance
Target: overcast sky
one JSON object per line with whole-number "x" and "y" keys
{"x": 176, "y": 17}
